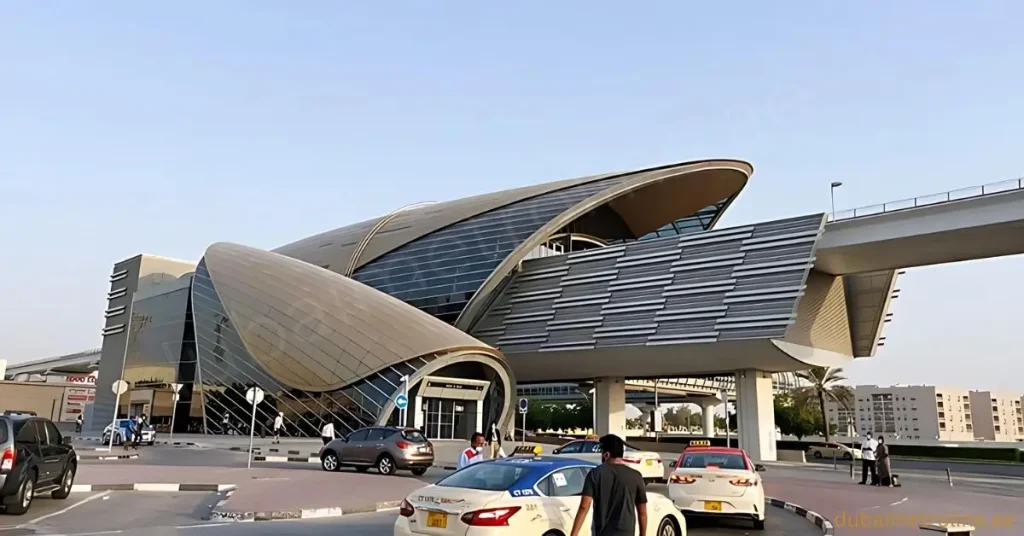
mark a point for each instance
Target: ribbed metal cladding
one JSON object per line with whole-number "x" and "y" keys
{"x": 727, "y": 284}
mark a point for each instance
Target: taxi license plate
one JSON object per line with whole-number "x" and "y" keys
{"x": 713, "y": 506}
{"x": 437, "y": 520}
{"x": 650, "y": 462}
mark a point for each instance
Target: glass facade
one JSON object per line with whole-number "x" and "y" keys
{"x": 439, "y": 273}
{"x": 701, "y": 221}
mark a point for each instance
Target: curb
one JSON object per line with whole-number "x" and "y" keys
{"x": 210, "y": 488}
{"x": 819, "y": 520}
{"x": 308, "y": 513}
{"x": 295, "y": 459}
{"x": 258, "y": 451}
{"x": 112, "y": 457}
{"x": 173, "y": 443}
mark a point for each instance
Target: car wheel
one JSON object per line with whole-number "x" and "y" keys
{"x": 329, "y": 461}
{"x": 386, "y": 465}
{"x": 847, "y": 456}
{"x": 22, "y": 500}
{"x": 419, "y": 471}
{"x": 758, "y": 524}
{"x": 668, "y": 527}
{"x": 65, "y": 483}
{"x": 817, "y": 454}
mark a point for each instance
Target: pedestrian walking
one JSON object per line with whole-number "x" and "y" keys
{"x": 475, "y": 452}
{"x": 617, "y": 493}
{"x": 327, "y": 433}
{"x": 883, "y": 463}
{"x": 867, "y": 450}
{"x": 278, "y": 424}
{"x": 140, "y": 424}
{"x": 78, "y": 424}
{"x": 495, "y": 440}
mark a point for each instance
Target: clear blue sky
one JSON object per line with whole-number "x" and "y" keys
{"x": 163, "y": 128}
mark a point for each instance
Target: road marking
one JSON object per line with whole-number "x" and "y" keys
{"x": 90, "y": 533}
{"x": 901, "y": 501}
{"x": 59, "y": 512}
{"x": 185, "y": 527}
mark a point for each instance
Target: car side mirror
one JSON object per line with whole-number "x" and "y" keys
{"x": 672, "y": 464}
{"x": 556, "y": 451}
{"x": 759, "y": 468}
{"x": 66, "y": 440}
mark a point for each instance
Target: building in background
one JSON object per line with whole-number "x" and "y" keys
{"x": 997, "y": 416}
{"x": 906, "y": 412}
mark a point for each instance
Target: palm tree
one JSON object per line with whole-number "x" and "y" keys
{"x": 823, "y": 384}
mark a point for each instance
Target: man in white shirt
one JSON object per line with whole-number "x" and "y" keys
{"x": 327, "y": 433}
{"x": 475, "y": 452}
{"x": 867, "y": 450}
{"x": 278, "y": 424}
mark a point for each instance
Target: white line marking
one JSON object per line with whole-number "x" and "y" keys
{"x": 901, "y": 501}
{"x": 59, "y": 512}
{"x": 206, "y": 525}
{"x": 90, "y": 533}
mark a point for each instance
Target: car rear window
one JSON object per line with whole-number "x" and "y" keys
{"x": 3, "y": 430}
{"x": 415, "y": 436}
{"x": 720, "y": 460}
{"x": 485, "y": 477}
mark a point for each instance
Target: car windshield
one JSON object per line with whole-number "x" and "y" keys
{"x": 714, "y": 459}
{"x": 415, "y": 436}
{"x": 485, "y": 477}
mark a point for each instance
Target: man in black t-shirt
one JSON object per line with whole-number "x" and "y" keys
{"x": 617, "y": 493}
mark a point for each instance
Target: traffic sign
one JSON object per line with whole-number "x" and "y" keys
{"x": 119, "y": 387}
{"x": 401, "y": 401}
{"x": 254, "y": 395}
{"x": 524, "y": 404}
{"x": 176, "y": 387}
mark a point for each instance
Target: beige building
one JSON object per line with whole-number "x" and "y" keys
{"x": 906, "y": 412}
{"x": 997, "y": 416}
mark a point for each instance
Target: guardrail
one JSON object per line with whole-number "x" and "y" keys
{"x": 926, "y": 200}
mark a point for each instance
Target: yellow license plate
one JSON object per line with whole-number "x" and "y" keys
{"x": 437, "y": 520}
{"x": 713, "y": 506}
{"x": 650, "y": 462}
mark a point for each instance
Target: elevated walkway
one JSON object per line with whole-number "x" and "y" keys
{"x": 974, "y": 223}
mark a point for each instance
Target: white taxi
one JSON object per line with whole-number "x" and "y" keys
{"x": 719, "y": 482}
{"x": 530, "y": 496}
{"x": 647, "y": 463}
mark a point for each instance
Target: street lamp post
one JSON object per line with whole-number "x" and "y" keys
{"x": 832, "y": 192}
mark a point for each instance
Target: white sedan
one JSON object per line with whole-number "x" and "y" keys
{"x": 647, "y": 463}
{"x": 515, "y": 497}
{"x": 718, "y": 482}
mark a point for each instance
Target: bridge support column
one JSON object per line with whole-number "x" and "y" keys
{"x": 610, "y": 406}
{"x": 707, "y": 409}
{"x": 756, "y": 414}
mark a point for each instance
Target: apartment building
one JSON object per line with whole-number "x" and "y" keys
{"x": 906, "y": 412}
{"x": 997, "y": 416}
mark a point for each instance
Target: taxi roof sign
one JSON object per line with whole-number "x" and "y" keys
{"x": 700, "y": 443}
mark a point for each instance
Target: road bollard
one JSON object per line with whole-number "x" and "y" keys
{"x": 949, "y": 477}
{"x": 851, "y": 472}
{"x": 834, "y": 466}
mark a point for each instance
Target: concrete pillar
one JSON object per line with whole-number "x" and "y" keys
{"x": 707, "y": 409}
{"x": 610, "y": 406}
{"x": 756, "y": 414}
{"x": 645, "y": 416}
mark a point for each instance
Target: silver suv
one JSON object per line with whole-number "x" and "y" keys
{"x": 388, "y": 449}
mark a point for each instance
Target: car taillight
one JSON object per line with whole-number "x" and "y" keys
{"x": 681, "y": 479}
{"x": 406, "y": 509}
{"x": 402, "y": 445}
{"x": 7, "y": 459}
{"x": 738, "y": 481}
{"x": 630, "y": 460}
{"x": 491, "y": 517}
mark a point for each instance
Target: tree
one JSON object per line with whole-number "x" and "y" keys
{"x": 678, "y": 416}
{"x": 823, "y": 384}
{"x": 793, "y": 419}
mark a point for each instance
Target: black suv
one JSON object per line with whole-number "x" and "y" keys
{"x": 34, "y": 458}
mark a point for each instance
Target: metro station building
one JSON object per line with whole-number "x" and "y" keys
{"x": 600, "y": 279}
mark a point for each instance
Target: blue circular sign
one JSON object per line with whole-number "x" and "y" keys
{"x": 523, "y": 404}
{"x": 401, "y": 401}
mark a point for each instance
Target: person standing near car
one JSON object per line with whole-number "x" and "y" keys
{"x": 78, "y": 424}
{"x": 867, "y": 451}
{"x": 616, "y": 491}
{"x": 495, "y": 440}
{"x": 327, "y": 433}
{"x": 475, "y": 452}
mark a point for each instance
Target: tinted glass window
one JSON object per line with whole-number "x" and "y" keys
{"x": 572, "y": 448}
{"x": 358, "y": 435}
{"x": 415, "y": 436}
{"x": 25, "y": 432}
{"x": 3, "y": 430}
{"x": 593, "y": 447}
{"x": 53, "y": 436}
{"x": 714, "y": 459}
{"x": 377, "y": 434}
{"x": 564, "y": 483}
{"x": 486, "y": 477}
